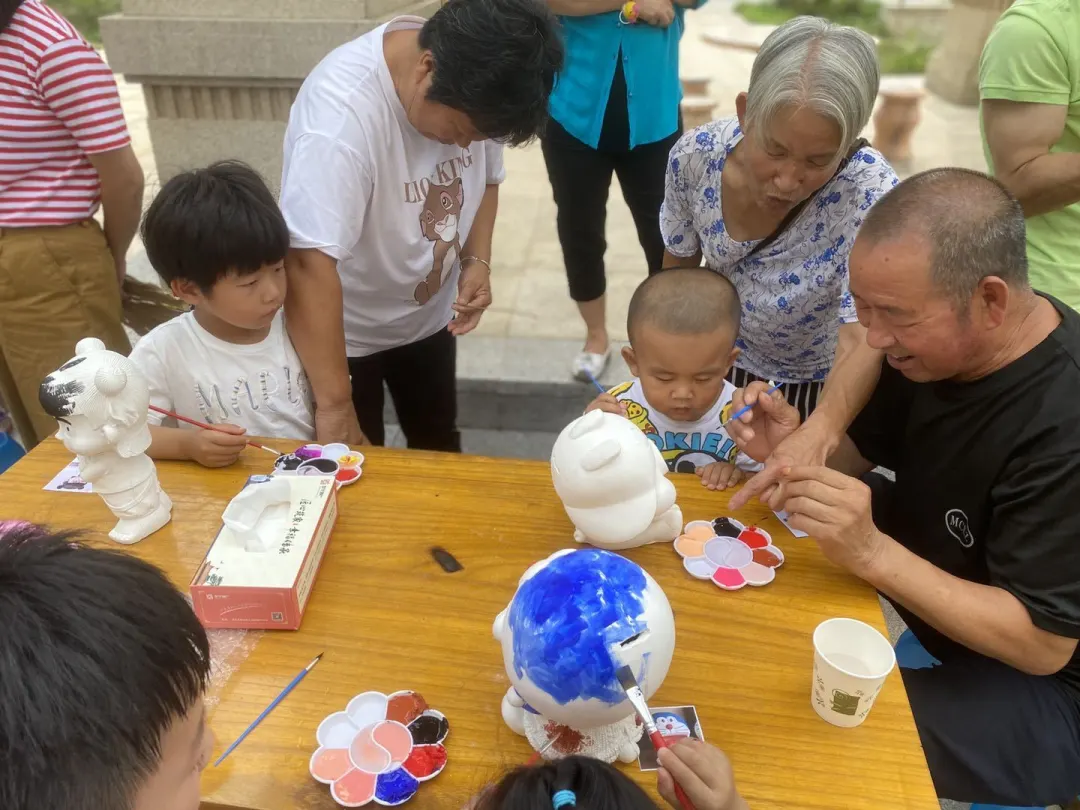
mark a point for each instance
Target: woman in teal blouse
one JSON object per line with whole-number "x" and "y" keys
{"x": 615, "y": 109}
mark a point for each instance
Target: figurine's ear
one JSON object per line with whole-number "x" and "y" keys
{"x": 601, "y": 455}
{"x": 589, "y": 422}
{"x": 110, "y": 380}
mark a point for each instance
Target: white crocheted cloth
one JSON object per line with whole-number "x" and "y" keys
{"x": 607, "y": 743}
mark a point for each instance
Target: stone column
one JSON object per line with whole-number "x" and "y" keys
{"x": 953, "y": 69}
{"x": 219, "y": 76}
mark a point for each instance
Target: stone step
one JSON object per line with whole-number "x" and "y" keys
{"x": 521, "y": 385}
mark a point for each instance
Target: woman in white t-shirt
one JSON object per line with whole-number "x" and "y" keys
{"x": 772, "y": 198}
{"x": 393, "y": 160}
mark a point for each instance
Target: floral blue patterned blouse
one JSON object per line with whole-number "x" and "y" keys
{"x": 795, "y": 292}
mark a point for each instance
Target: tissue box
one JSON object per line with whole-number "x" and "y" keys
{"x": 268, "y": 589}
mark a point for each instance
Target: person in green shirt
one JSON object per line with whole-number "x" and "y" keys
{"x": 1029, "y": 84}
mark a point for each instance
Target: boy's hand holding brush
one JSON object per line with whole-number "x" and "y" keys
{"x": 704, "y": 774}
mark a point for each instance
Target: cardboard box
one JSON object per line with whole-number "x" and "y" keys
{"x": 268, "y": 589}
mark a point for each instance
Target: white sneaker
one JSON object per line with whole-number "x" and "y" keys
{"x": 589, "y": 363}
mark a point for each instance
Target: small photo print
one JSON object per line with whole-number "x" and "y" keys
{"x": 68, "y": 480}
{"x": 674, "y": 723}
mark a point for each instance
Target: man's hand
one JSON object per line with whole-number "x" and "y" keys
{"x": 703, "y": 772}
{"x": 760, "y": 431}
{"x": 719, "y": 475}
{"x": 660, "y": 13}
{"x": 219, "y": 447}
{"x": 834, "y": 509}
{"x": 474, "y": 296}
{"x": 338, "y": 424}
{"x": 608, "y": 404}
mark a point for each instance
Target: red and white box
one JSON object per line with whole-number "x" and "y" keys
{"x": 268, "y": 589}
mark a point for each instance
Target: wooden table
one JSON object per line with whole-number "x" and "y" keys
{"x": 389, "y": 618}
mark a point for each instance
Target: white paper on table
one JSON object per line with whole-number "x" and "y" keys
{"x": 68, "y": 480}
{"x": 784, "y": 518}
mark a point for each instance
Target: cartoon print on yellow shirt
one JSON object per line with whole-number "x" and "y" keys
{"x": 440, "y": 220}
{"x": 684, "y": 447}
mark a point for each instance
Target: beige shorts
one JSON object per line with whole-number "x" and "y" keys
{"x": 57, "y": 286}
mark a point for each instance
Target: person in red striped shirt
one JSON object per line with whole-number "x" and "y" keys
{"x": 64, "y": 152}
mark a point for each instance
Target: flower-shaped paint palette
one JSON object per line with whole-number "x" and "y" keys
{"x": 338, "y": 460}
{"x": 728, "y": 553}
{"x": 380, "y": 749}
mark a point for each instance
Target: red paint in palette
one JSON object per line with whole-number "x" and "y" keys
{"x": 426, "y": 760}
{"x": 754, "y": 537}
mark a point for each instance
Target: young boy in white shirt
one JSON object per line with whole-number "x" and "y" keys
{"x": 218, "y": 239}
{"x": 682, "y": 324}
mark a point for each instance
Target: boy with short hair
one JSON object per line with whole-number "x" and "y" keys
{"x": 218, "y": 239}
{"x": 682, "y": 324}
{"x": 103, "y": 666}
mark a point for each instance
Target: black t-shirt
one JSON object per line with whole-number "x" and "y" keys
{"x": 988, "y": 479}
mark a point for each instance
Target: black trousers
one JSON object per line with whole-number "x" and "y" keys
{"x": 803, "y": 396}
{"x": 993, "y": 734}
{"x": 422, "y": 379}
{"x": 580, "y": 179}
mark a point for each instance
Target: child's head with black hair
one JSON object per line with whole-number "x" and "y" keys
{"x": 683, "y": 324}
{"x": 103, "y": 666}
{"x": 580, "y": 783}
{"x": 217, "y": 237}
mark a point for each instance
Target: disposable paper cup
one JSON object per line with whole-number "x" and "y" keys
{"x": 851, "y": 662}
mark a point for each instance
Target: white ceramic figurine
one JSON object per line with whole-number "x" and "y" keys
{"x": 576, "y": 618}
{"x": 613, "y": 483}
{"x": 101, "y": 402}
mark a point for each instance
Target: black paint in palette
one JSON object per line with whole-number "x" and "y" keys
{"x": 726, "y": 527}
{"x": 429, "y": 728}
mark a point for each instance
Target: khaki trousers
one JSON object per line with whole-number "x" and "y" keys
{"x": 57, "y": 286}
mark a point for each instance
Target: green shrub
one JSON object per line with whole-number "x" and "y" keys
{"x": 897, "y": 55}
{"x": 84, "y": 14}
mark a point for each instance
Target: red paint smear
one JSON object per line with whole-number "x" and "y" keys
{"x": 766, "y": 558}
{"x": 425, "y": 761}
{"x": 405, "y": 708}
{"x": 568, "y": 740}
{"x": 753, "y": 538}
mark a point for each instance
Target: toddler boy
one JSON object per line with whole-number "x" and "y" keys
{"x": 103, "y": 666}
{"x": 682, "y": 326}
{"x": 218, "y": 239}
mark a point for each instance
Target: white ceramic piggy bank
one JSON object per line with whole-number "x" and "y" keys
{"x": 613, "y": 483}
{"x": 575, "y": 618}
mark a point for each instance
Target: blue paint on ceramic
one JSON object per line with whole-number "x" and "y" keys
{"x": 568, "y": 617}
{"x": 395, "y": 787}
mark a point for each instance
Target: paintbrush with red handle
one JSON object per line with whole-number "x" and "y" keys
{"x": 637, "y": 700}
{"x": 205, "y": 426}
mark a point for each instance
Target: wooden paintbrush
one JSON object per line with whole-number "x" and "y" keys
{"x": 205, "y": 426}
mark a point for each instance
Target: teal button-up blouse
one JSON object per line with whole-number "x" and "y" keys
{"x": 650, "y": 63}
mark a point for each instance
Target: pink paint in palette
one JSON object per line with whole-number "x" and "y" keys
{"x": 728, "y": 553}
{"x": 338, "y": 460}
{"x": 381, "y": 748}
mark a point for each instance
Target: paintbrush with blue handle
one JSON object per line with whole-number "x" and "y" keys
{"x": 748, "y": 408}
{"x": 594, "y": 381}
{"x": 273, "y": 705}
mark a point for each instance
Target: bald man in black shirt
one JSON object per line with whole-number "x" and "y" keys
{"x": 977, "y": 543}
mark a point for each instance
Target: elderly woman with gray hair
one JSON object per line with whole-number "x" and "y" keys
{"x": 772, "y": 198}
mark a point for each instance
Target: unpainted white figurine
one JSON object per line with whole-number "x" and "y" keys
{"x": 101, "y": 401}
{"x": 613, "y": 483}
{"x": 575, "y": 619}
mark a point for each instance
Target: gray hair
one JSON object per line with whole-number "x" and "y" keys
{"x": 832, "y": 69}
{"x": 972, "y": 225}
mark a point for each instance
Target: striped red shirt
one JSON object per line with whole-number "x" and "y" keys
{"x": 58, "y": 104}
